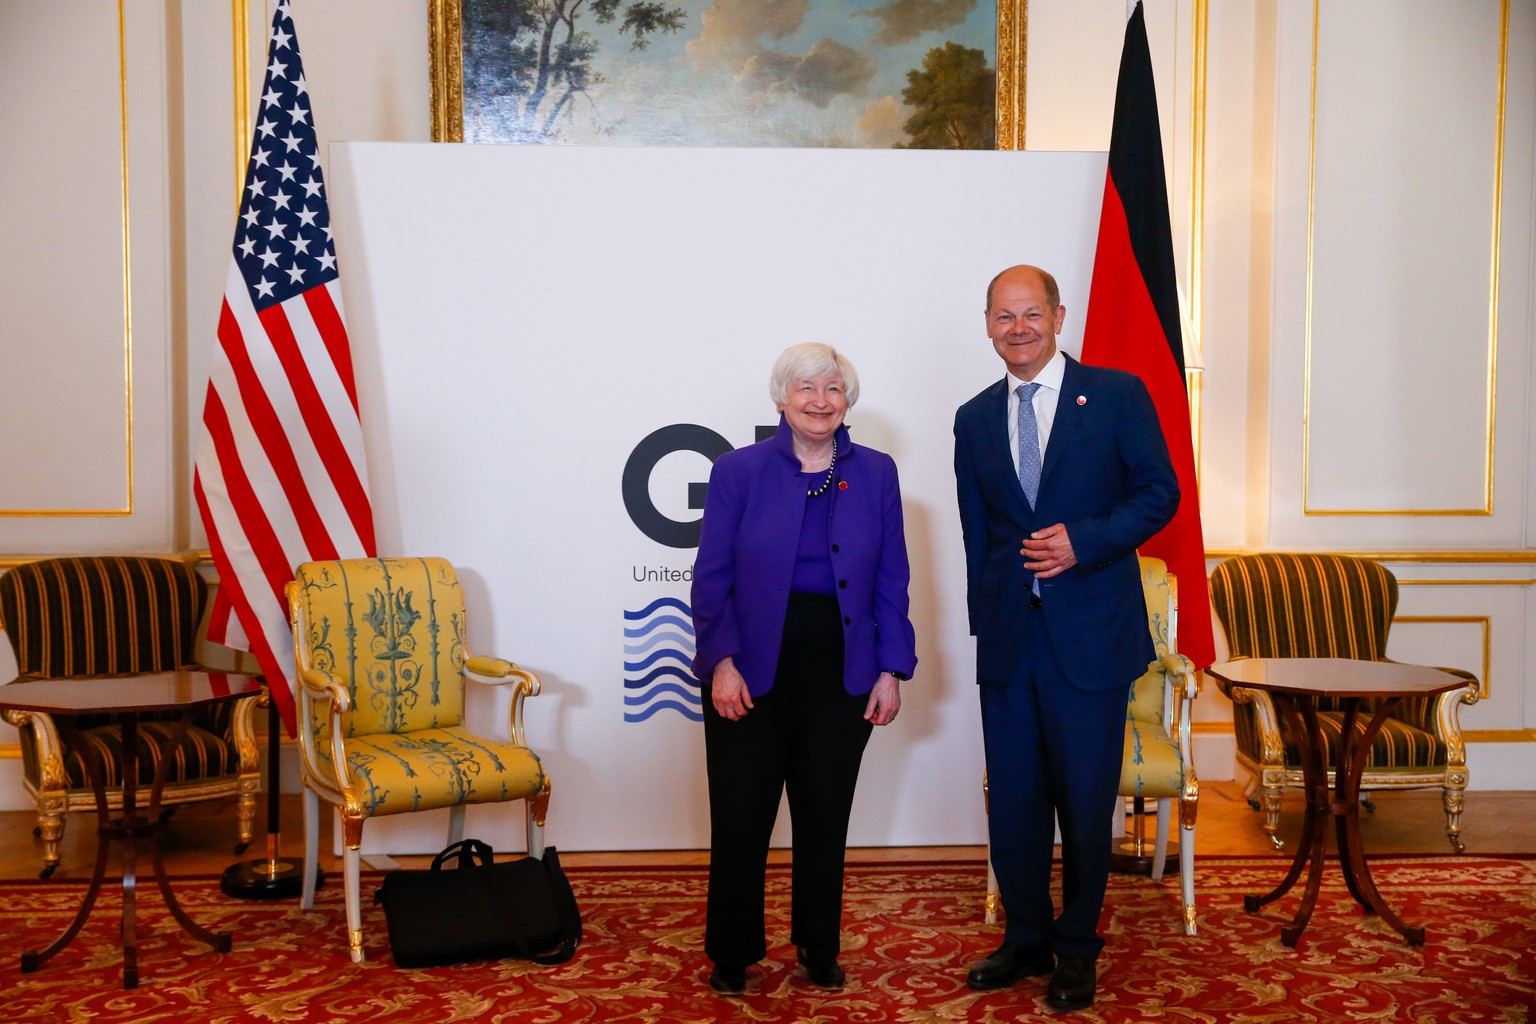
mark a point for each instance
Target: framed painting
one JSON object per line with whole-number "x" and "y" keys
{"x": 919, "y": 74}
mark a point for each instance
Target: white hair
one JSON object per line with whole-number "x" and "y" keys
{"x": 807, "y": 360}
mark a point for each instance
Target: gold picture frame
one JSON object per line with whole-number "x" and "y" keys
{"x": 446, "y": 54}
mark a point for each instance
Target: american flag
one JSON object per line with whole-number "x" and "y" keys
{"x": 280, "y": 476}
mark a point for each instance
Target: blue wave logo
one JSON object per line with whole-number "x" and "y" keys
{"x": 658, "y": 650}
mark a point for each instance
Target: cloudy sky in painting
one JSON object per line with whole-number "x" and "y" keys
{"x": 773, "y": 72}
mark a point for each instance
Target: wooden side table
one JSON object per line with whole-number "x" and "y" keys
{"x": 1296, "y": 684}
{"x": 127, "y": 698}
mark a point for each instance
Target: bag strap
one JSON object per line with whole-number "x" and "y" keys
{"x": 570, "y": 914}
{"x": 468, "y": 853}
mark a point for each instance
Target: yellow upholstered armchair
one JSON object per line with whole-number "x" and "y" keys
{"x": 1158, "y": 763}
{"x": 1331, "y": 606}
{"x": 382, "y": 661}
{"x": 120, "y": 615}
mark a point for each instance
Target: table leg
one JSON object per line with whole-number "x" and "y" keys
{"x": 1309, "y": 847}
{"x": 1303, "y": 714}
{"x": 31, "y": 960}
{"x": 1349, "y": 763}
{"x": 221, "y": 941}
{"x": 1357, "y": 871}
{"x": 131, "y": 833}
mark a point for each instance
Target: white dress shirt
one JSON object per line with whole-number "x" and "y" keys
{"x": 1046, "y": 396}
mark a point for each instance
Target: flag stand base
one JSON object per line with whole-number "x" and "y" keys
{"x": 266, "y": 880}
{"x": 271, "y": 877}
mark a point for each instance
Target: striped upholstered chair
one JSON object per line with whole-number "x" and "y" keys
{"x": 1331, "y": 606}
{"x": 382, "y": 663}
{"x": 113, "y": 616}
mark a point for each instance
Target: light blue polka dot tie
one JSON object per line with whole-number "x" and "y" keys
{"x": 1029, "y": 443}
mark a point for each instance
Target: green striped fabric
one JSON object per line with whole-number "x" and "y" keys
{"x": 115, "y": 615}
{"x": 1319, "y": 606}
{"x": 100, "y": 616}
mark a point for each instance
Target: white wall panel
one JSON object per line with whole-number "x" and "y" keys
{"x": 1384, "y": 243}
{"x": 62, "y": 273}
{"x": 1404, "y": 208}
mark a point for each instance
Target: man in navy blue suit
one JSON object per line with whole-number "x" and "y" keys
{"x": 1061, "y": 471}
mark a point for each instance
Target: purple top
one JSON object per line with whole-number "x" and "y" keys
{"x": 813, "y": 562}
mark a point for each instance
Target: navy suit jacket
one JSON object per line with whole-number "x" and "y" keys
{"x": 1108, "y": 478}
{"x": 746, "y": 562}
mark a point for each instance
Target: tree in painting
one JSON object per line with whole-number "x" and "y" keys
{"x": 535, "y": 57}
{"x": 953, "y": 98}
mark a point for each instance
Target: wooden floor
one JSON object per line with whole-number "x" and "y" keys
{"x": 200, "y": 837}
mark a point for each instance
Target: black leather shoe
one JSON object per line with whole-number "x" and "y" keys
{"x": 1073, "y": 984}
{"x": 1007, "y": 965}
{"x": 728, "y": 981}
{"x": 826, "y": 973}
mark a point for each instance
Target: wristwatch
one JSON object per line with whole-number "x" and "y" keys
{"x": 901, "y": 676}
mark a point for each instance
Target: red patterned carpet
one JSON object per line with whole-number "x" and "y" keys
{"x": 909, "y": 933}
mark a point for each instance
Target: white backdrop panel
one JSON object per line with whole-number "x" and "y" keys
{"x": 522, "y": 317}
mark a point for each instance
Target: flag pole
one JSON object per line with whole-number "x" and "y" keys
{"x": 270, "y": 877}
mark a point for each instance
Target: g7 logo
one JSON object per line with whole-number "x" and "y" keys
{"x": 679, "y": 437}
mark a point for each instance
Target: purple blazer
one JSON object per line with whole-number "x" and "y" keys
{"x": 746, "y": 561}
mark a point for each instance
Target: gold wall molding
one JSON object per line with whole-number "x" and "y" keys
{"x": 241, "y": 46}
{"x": 126, "y": 509}
{"x": 1499, "y": 735}
{"x": 1483, "y": 621}
{"x": 1493, "y": 320}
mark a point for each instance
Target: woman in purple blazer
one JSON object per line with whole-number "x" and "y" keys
{"x": 800, "y": 610}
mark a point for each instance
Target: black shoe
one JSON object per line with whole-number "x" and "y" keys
{"x": 1007, "y": 965}
{"x": 1073, "y": 984}
{"x": 728, "y": 981}
{"x": 823, "y": 973}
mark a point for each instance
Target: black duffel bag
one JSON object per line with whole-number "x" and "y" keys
{"x": 468, "y": 907}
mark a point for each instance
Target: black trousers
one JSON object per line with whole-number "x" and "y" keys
{"x": 805, "y": 737}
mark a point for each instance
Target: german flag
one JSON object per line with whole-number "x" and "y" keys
{"x": 1133, "y": 318}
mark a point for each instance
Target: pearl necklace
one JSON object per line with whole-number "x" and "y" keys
{"x": 832, "y": 468}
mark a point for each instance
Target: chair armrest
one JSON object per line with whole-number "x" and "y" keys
{"x": 50, "y": 748}
{"x": 317, "y": 685}
{"x": 324, "y": 686}
{"x": 1447, "y": 712}
{"x": 1272, "y": 749}
{"x": 1181, "y": 674}
{"x": 499, "y": 672}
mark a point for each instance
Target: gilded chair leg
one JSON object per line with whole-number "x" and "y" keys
{"x": 50, "y": 827}
{"x": 994, "y": 898}
{"x": 455, "y": 823}
{"x": 1160, "y": 844}
{"x": 537, "y": 807}
{"x": 311, "y": 847}
{"x": 245, "y": 811}
{"x": 351, "y": 864}
{"x": 1454, "y": 800}
{"x": 1187, "y": 877}
{"x": 1272, "y": 816}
